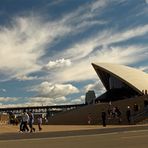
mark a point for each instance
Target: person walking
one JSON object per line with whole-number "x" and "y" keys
{"x": 128, "y": 114}
{"x": 31, "y": 121}
{"x": 89, "y": 119}
{"x": 103, "y": 115}
{"x": 118, "y": 114}
{"x": 25, "y": 120}
{"x": 21, "y": 123}
{"x": 39, "y": 122}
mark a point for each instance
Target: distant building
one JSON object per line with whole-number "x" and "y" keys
{"x": 90, "y": 97}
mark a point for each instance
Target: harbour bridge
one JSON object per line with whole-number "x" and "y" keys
{"x": 40, "y": 109}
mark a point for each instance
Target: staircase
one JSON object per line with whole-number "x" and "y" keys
{"x": 79, "y": 116}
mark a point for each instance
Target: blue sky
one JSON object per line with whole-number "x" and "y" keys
{"x": 47, "y": 47}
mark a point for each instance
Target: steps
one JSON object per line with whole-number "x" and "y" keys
{"x": 79, "y": 116}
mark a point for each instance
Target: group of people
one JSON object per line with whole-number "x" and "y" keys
{"x": 113, "y": 112}
{"x": 28, "y": 119}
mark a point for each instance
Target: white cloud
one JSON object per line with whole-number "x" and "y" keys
{"x": 49, "y": 101}
{"x": 97, "y": 87}
{"x": 104, "y": 38}
{"x": 80, "y": 50}
{"x": 79, "y": 20}
{"x": 8, "y": 99}
{"x": 80, "y": 100}
{"x": 121, "y": 55}
{"x": 24, "y": 42}
{"x": 61, "y": 63}
{"x": 126, "y": 34}
{"x": 22, "y": 77}
{"x": 99, "y": 4}
{"x": 82, "y": 70}
{"x": 46, "y": 89}
{"x": 21, "y": 45}
{"x": 100, "y": 49}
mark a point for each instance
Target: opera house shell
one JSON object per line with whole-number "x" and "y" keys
{"x": 120, "y": 81}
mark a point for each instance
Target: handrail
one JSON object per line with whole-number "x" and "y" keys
{"x": 136, "y": 116}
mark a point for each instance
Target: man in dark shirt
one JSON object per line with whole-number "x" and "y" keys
{"x": 103, "y": 118}
{"x": 128, "y": 114}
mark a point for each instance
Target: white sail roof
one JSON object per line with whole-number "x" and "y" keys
{"x": 134, "y": 78}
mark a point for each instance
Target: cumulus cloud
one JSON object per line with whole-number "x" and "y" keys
{"x": 61, "y": 63}
{"x": 49, "y": 101}
{"x": 80, "y": 100}
{"x": 97, "y": 87}
{"x": 46, "y": 89}
{"x": 56, "y": 101}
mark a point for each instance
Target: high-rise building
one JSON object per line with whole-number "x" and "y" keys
{"x": 90, "y": 97}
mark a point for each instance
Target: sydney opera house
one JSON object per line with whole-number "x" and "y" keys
{"x": 125, "y": 86}
{"x": 120, "y": 81}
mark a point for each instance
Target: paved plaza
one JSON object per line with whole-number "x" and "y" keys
{"x": 78, "y": 136}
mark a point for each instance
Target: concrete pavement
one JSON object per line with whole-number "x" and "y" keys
{"x": 112, "y": 137}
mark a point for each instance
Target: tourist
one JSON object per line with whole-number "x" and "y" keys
{"x": 89, "y": 118}
{"x": 103, "y": 115}
{"x": 21, "y": 123}
{"x": 39, "y": 122}
{"x": 25, "y": 119}
{"x": 109, "y": 111}
{"x": 118, "y": 114}
{"x": 31, "y": 121}
{"x": 128, "y": 114}
{"x": 114, "y": 112}
{"x": 136, "y": 108}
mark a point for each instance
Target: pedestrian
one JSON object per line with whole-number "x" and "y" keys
{"x": 46, "y": 120}
{"x": 103, "y": 115}
{"x": 25, "y": 118}
{"x": 128, "y": 114}
{"x": 21, "y": 123}
{"x": 89, "y": 118}
{"x": 31, "y": 121}
{"x": 39, "y": 122}
{"x": 118, "y": 113}
{"x": 109, "y": 111}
